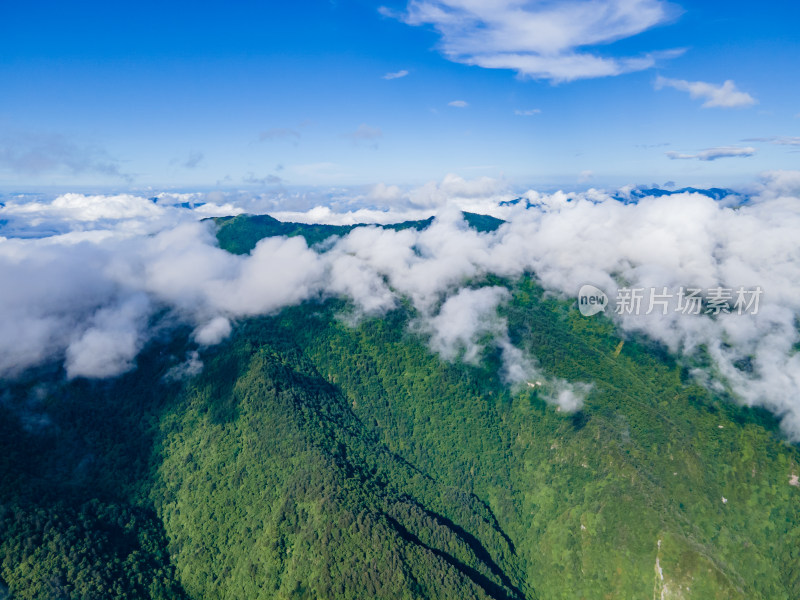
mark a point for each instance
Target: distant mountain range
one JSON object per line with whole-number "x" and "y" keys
{"x": 636, "y": 194}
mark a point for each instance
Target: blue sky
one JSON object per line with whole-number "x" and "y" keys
{"x": 262, "y": 95}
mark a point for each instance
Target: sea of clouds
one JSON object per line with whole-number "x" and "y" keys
{"x": 83, "y": 275}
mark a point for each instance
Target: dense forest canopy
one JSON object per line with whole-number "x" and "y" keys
{"x": 322, "y": 452}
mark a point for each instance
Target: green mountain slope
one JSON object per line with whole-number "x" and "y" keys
{"x": 316, "y": 459}
{"x": 589, "y": 498}
{"x": 73, "y": 457}
{"x": 270, "y": 487}
{"x": 240, "y": 234}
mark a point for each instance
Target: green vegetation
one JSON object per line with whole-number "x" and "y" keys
{"x": 316, "y": 459}
{"x": 585, "y": 498}
{"x": 269, "y": 486}
{"x": 240, "y": 234}
{"x": 73, "y": 458}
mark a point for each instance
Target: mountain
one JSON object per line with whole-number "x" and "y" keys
{"x": 713, "y": 193}
{"x": 318, "y": 456}
{"x": 636, "y": 194}
{"x": 240, "y": 234}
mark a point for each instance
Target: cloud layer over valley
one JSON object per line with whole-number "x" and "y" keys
{"x": 85, "y": 276}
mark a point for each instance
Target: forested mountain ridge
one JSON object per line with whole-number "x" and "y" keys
{"x": 317, "y": 458}
{"x": 241, "y": 233}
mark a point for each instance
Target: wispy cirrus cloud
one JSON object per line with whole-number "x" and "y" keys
{"x": 270, "y": 179}
{"x": 396, "y": 75}
{"x": 458, "y": 104}
{"x": 715, "y": 96}
{"x": 365, "y": 134}
{"x": 528, "y": 113}
{"x": 715, "y": 153}
{"x": 33, "y": 154}
{"x": 279, "y": 133}
{"x": 778, "y": 140}
{"x": 543, "y": 40}
{"x": 190, "y": 162}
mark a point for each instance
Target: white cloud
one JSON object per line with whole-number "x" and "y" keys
{"x": 715, "y": 96}
{"x": 112, "y": 340}
{"x": 570, "y": 398}
{"x": 381, "y": 192}
{"x": 396, "y": 74}
{"x": 382, "y": 203}
{"x": 88, "y": 297}
{"x": 458, "y": 103}
{"x": 527, "y": 113}
{"x": 213, "y": 332}
{"x": 715, "y": 153}
{"x": 209, "y": 209}
{"x": 119, "y": 213}
{"x": 463, "y": 319}
{"x": 453, "y": 189}
{"x": 78, "y": 207}
{"x": 780, "y": 184}
{"x": 545, "y": 40}
{"x": 468, "y": 321}
{"x": 397, "y": 204}
{"x": 324, "y": 214}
